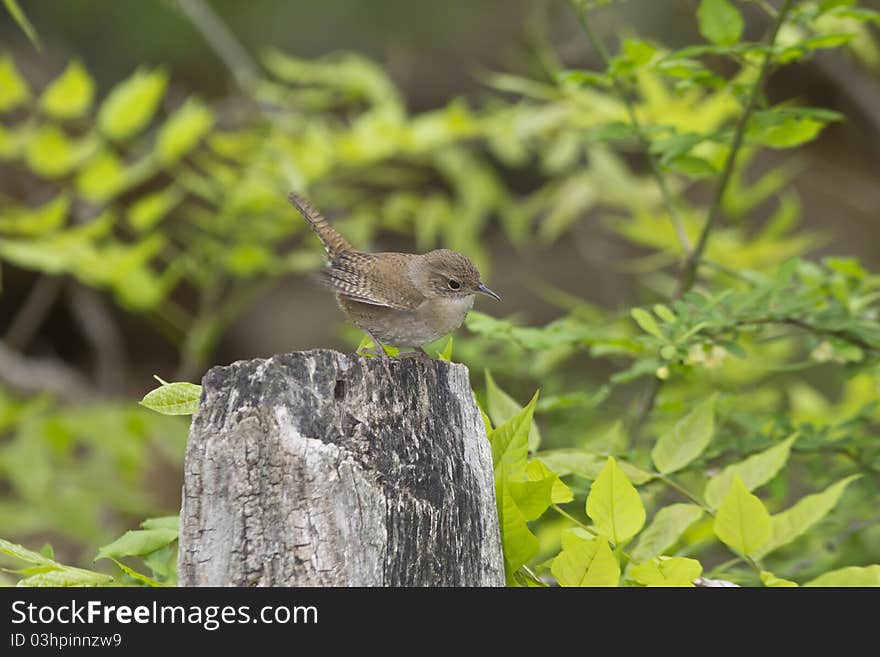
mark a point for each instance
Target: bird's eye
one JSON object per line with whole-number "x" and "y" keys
{"x": 454, "y": 284}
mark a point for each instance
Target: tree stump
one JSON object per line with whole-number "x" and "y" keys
{"x": 321, "y": 469}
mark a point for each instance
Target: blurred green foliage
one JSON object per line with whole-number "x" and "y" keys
{"x": 734, "y": 434}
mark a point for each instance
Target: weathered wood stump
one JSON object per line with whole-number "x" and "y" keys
{"x": 320, "y": 469}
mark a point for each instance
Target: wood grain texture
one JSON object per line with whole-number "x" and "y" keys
{"x": 321, "y": 469}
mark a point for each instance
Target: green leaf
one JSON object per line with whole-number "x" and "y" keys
{"x": 687, "y": 439}
{"x": 742, "y": 522}
{"x": 50, "y": 153}
{"x": 646, "y": 322}
{"x": 102, "y": 178}
{"x": 771, "y": 580}
{"x": 667, "y": 571}
{"x": 13, "y": 88}
{"x": 517, "y": 541}
{"x": 502, "y": 407}
{"x": 47, "y": 218}
{"x": 806, "y": 512}
{"x": 559, "y": 493}
{"x": 131, "y": 104}
{"x": 720, "y": 22}
{"x": 22, "y": 553}
{"x": 22, "y": 21}
{"x": 149, "y": 210}
{"x": 183, "y": 130}
{"x": 783, "y": 131}
{"x": 664, "y": 313}
{"x": 585, "y": 562}
{"x": 852, "y": 576}
{"x": 614, "y": 504}
{"x": 131, "y": 572}
{"x": 587, "y": 464}
{"x": 174, "y": 399}
{"x": 755, "y": 471}
{"x": 164, "y": 522}
{"x": 137, "y": 543}
{"x": 532, "y": 497}
{"x": 446, "y": 352}
{"x": 66, "y": 576}
{"x": 69, "y": 95}
{"x": 665, "y": 529}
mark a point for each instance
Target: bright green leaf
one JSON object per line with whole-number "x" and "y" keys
{"x": 164, "y": 522}
{"x": 687, "y": 439}
{"x": 614, "y": 504}
{"x": 502, "y": 407}
{"x": 50, "y": 153}
{"x": 517, "y": 541}
{"x": 755, "y": 471}
{"x": 149, "y": 210}
{"x": 667, "y": 571}
{"x": 70, "y": 94}
{"x": 509, "y": 441}
{"x": 852, "y": 576}
{"x": 664, "y": 313}
{"x": 588, "y": 464}
{"x": 771, "y": 580}
{"x": 47, "y": 218}
{"x": 22, "y": 553}
{"x": 560, "y": 493}
{"x": 131, "y": 104}
{"x": 806, "y": 512}
{"x": 742, "y": 522}
{"x": 174, "y": 399}
{"x": 446, "y": 352}
{"x": 647, "y": 323}
{"x": 131, "y": 572}
{"x": 532, "y": 497}
{"x": 585, "y": 563}
{"x": 13, "y": 88}
{"x": 101, "y": 178}
{"x": 66, "y": 576}
{"x": 720, "y": 22}
{"x": 137, "y": 543}
{"x": 665, "y": 529}
{"x": 183, "y": 130}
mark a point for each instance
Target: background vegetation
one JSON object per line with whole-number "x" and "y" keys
{"x": 696, "y": 303}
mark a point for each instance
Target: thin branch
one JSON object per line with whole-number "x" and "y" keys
{"x": 644, "y": 144}
{"x": 689, "y": 272}
{"x": 37, "y": 305}
{"x": 221, "y": 40}
{"x": 840, "y": 334}
{"x": 43, "y": 375}
{"x": 103, "y": 335}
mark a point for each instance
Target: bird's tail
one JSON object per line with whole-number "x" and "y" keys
{"x": 334, "y": 243}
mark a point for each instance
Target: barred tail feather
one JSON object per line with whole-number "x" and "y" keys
{"x": 334, "y": 243}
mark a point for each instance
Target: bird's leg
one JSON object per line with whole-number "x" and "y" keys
{"x": 419, "y": 353}
{"x": 379, "y": 351}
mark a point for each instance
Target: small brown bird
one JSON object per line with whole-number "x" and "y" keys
{"x": 399, "y": 299}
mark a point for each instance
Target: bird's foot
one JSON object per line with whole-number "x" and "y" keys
{"x": 377, "y": 353}
{"x": 419, "y": 353}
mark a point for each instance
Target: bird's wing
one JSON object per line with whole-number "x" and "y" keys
{"x": 356, "y": 276}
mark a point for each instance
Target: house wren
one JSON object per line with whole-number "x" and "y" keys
{"x": 399, "y": 299}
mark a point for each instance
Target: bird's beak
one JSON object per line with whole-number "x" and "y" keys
{"x": 485, "y": 290}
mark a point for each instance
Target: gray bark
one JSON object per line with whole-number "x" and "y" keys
{"x": 320, "y": 469}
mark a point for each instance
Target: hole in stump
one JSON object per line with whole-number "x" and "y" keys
{"x": 339, "y": 390}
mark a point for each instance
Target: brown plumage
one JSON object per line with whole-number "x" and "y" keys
{"x": 402, "y": 299}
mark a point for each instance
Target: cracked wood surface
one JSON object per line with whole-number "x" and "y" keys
{"x": 321, "y": 469}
